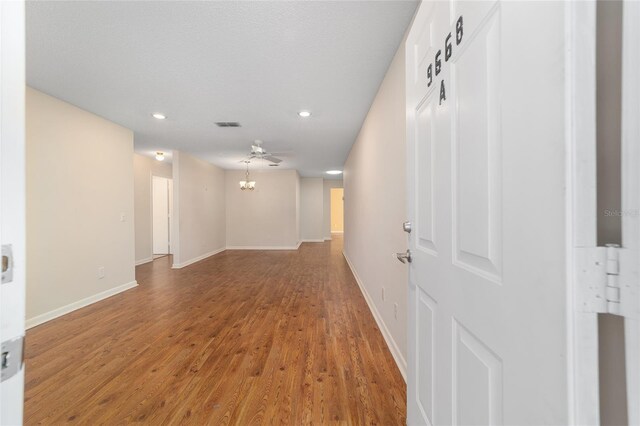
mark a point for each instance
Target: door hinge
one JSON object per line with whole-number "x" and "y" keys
{"x": 608, "y": 280}
{"x": 12, "y": 358}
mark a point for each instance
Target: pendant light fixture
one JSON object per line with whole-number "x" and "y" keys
{"x": 247, "y": 184}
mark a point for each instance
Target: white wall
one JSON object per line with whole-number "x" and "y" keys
{"x": 312, "y": 209}
{"x": 198, "y": 226}
{"x": 143, "y": 168}
{"x": 267, "y": 217}
{"x": 375, "y": 207}
{"x": 79, "y": 184}
{"x": 326, "y": 207}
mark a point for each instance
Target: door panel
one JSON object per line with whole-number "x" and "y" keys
{"x": 477, "y": 162}
{"x": 477, "y": 392}
{"x": 425, "y": 358}
{"x": 425, "y": 185}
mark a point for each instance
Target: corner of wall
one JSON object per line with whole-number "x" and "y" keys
{"x": 175, "y": 220}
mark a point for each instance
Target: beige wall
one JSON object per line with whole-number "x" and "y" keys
{"x": 375, "y": 207}
{"x": 311, "y": 209}
{"x": 267, "y": 217}
{"x": 143, "y": 168}
{"x": 198, "y": 225}
{"x": 326, "y": 205}
{"x": 337, "y": 210}
{"x": 80, "y": 213}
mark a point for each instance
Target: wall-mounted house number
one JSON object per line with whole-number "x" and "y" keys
{"x": 436, "y": 66}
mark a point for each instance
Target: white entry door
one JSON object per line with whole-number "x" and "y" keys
{"x": 12, "y": 214}
{"x": 162, "y": 203}
{"x": 488, "y": 296}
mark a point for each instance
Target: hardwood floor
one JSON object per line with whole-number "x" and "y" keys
{"x": 243, "y": 337}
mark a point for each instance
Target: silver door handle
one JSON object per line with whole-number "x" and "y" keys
{"x": 406, "y": 227}
{"x": 404, "y": 257}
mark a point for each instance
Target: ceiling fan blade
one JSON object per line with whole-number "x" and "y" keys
{"x": 272, "y": 159}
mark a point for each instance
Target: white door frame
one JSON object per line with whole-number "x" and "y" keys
{"x": 580, "y": 107}
{"x": 12, "y": 201}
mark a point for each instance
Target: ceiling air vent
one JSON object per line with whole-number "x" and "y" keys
{"x": 227, "y": 124}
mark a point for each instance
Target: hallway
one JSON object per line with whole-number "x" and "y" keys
{"x": 243, "y": 337}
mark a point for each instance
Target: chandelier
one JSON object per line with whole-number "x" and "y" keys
{"x": 247, "y": 184}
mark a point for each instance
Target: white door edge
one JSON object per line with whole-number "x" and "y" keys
{"x": 631, "y": 188}
{"x": 580, "y": 108}
{"x": 12, "y": 203}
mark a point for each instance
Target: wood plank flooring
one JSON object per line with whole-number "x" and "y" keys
{"x": 244, "y": 337}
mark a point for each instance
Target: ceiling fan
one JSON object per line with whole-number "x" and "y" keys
{"x": 258, "y": 152}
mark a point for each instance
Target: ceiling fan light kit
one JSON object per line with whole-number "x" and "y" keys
{"x": 250, "y": 185}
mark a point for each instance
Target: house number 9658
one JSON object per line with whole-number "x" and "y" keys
{"x": 436, "y": 66}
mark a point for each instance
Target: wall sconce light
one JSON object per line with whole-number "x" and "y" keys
{"x": 160, "y": 156}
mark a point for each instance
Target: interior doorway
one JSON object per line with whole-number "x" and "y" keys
{"x": 337, "y": 210}
{"x": 161, "y": 211}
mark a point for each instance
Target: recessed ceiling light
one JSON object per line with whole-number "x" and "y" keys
{"x": 334, "y": 172}
{"x": 304, "y": 114}
{"x": 160, "y": 156}
{"x": 158, "y": 115}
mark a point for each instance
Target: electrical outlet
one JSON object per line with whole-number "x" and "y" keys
{"x": 382, "y": 293}
{"x": 395, "y": 310}
{"x": 100, "y": 272}
{"x": 122, "y": 217}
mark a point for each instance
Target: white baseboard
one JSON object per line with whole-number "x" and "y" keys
{"x": 48, "y": 316}
{"x": 313, "y": 241}
{"x": 264, "y": 247}
{"x": 197, "y": 259}
{"x": 391, "y": 344}
{"x": 327, "y": 238}
{"x": 143, "y": 261}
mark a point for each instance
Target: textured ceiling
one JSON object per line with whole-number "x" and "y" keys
{"x": 258, "y": 63}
